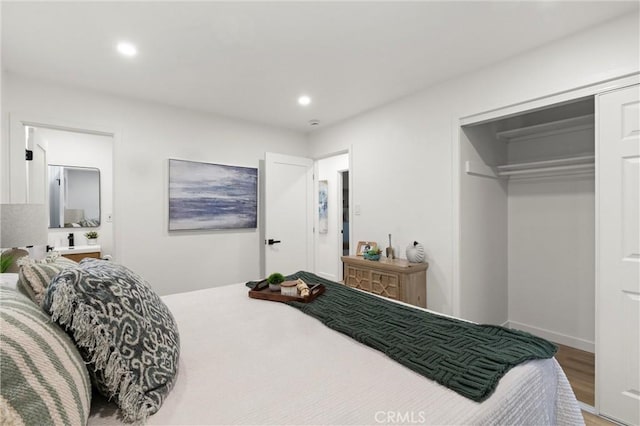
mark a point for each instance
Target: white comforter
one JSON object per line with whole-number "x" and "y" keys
{"x": 247, "y": 361}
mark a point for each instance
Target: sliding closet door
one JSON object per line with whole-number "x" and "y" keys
{"x": 618, "y": 274}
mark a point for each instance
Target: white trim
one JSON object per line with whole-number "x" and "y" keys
{"x": 598, "y": 378}
{"x": 588, "y": 408}
{"x": 566, "y": 96}
{"x": 563, "y": 339}
{"x": 351, "y": 203}
{"x": 455, "y": 218}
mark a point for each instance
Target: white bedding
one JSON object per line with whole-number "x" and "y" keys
{"x": 248, "y": 361}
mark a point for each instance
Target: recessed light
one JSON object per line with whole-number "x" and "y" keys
{"x": 304, "y": 100}
{"x": 127, "y": 49}
{"x": 314, "y": 122}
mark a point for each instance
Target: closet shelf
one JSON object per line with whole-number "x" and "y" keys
{"x": 547, "y": 129}
{"x": 566, "y": 161}
{"x": 584, "y": 163}
{"x": 548, "y": 171}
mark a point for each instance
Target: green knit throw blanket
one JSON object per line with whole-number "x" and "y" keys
{"x": 467, "y": 358}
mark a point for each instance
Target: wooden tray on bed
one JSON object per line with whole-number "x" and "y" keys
{"x": 262, "y": 291}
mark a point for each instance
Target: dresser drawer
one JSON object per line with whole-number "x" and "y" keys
{"x": 395, "y": 279}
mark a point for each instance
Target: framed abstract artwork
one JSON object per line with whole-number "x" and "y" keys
{"x": 323, "y": 205}
{"x": 212, "y": 196}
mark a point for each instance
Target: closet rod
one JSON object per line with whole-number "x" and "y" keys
{"x": 572, "y": 167}
{"x": 556, "y": 162}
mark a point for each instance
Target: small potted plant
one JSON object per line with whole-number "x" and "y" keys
{"x": 5, "y": 263}
{"x": 92, "y": 237}
{"x": 372, "y": 254}
{"x": 274, "y": 281}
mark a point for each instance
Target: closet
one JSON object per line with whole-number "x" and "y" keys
{"x": 527, "y": 207}
{"x": 549, "y": 229}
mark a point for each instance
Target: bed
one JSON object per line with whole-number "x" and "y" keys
{"x": 249, "y": 361}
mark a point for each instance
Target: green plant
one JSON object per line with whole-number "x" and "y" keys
{"x": 374, "y": 251}
{"x": 5, "y": 262}
{"x": 91, "y": 235}
{"x": 275, "y": 278}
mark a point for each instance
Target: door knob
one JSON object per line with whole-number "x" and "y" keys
{"x": 271, "y": 241}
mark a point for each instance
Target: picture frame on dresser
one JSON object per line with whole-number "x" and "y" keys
{"x": 364, "y": 246}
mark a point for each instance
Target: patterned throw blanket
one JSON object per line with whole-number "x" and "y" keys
{"x": 467, "y": 358}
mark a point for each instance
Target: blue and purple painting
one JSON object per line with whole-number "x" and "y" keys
{"x": 212, "y": 196}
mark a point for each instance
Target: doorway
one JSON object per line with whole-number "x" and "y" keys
{"x": 331, "y": 173}
{"x": 344, "y": 193}
{"x": 60, "y": 143}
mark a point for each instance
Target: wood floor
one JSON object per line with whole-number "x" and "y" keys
{"x": 579, "y": 366}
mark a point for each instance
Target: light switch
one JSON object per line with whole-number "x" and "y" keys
{"x": 356, "y": 209}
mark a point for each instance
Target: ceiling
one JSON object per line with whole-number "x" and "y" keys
{"x": 251, "y": 60}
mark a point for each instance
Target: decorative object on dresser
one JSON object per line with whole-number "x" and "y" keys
{"x": 364, "y": 246}
{"x": 390, "y": 254}
{"x": 24, "y": 225}
{"x": 393, "y": 278}
{"x": 415, "y": 253}
{"x": 372, "y": 254}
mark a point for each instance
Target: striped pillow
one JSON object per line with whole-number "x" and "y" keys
{"x": 44, "y": 380}
{"x": 35, "y": 276}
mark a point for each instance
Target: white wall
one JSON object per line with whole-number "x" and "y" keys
{"x": 328, "y": 247}
{"x": 552, "y": 245}
{"x": 402, "y": 152}
{"x": 146, "y": 136}
{"x": 84, "y": 150}
{"x": 483, "y": 231}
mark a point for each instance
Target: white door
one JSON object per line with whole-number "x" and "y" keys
{"x": 288, "y": 214}
{"x": 618, "y": 268}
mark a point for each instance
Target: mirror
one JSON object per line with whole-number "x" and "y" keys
{"x": 74, "y": 197}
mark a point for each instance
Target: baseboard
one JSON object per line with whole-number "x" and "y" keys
{"x": 553, "y": 336}
{"x": 588, "y": 408}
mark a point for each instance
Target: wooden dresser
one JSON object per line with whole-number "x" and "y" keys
{"x": 396, "y": 279}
